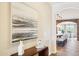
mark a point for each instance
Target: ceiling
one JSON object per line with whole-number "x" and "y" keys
{"x": 67, "y": 10}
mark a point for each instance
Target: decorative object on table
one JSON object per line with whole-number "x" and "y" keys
{"x": 20, "y": 48}
{"x": 40, "y": 44}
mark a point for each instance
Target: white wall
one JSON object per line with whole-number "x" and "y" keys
{"x": 6, "y": 46}
{"x": 4, "y": 29}
{"x": 53, "y": 30}
{"x": 47, "y": 27}
{"x": 45, "y": 24}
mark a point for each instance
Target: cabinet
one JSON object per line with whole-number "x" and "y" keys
{"x": 33, "y": 50}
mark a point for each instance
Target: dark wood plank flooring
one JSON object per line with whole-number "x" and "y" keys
{"x": 70, "y": 49}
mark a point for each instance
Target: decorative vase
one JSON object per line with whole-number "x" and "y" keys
{"x": 40, "y": 44}
{"x": 20, "y": 48}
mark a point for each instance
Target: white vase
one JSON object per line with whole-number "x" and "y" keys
{"x": 39, "y": 44}
{"x": 20, "y": 49}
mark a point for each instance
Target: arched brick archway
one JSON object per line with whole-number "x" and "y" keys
{"x": 71, "y": 20}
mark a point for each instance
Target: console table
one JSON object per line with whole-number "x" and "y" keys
{"x": 33, "y": 50}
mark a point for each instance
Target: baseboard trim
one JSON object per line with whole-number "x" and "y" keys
{"x": 53, "y": 54}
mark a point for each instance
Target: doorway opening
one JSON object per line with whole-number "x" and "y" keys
{"x": 69, "y": 28}
{"x": 66, "y": 37}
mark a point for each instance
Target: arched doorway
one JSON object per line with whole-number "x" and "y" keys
{"x": 67, "y": 27}
{"x": 67, "y": 12}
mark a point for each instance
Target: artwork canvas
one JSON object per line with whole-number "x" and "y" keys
{"x": 23, "y": 28}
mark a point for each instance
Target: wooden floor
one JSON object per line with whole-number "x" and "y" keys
{"x": 70, "y": 49}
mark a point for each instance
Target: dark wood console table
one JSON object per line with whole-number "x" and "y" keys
{"x": 33, "y": 50}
